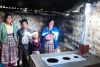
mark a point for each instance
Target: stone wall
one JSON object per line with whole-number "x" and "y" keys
{"x": 71, "y": 29}
{"x": 93, "y": 38}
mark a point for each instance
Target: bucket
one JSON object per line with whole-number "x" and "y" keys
{"x": 83, "y": 50}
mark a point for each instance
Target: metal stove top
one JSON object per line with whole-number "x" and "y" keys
{"x": 61, "y": 59}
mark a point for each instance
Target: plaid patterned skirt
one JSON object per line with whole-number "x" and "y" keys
{"x": 9, "y": 51}
{"x": 49, "y": 46}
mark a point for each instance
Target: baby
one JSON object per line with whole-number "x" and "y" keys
{"x": 35, "y": 43}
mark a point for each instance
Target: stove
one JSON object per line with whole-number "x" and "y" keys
{"x": 61, "y": 59}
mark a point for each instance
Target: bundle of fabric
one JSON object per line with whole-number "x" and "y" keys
{"x": 49, "y": 37}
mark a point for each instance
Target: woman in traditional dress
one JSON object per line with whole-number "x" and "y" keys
{"x": 49, "y": 37}
{"x": 8, "y": 41}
